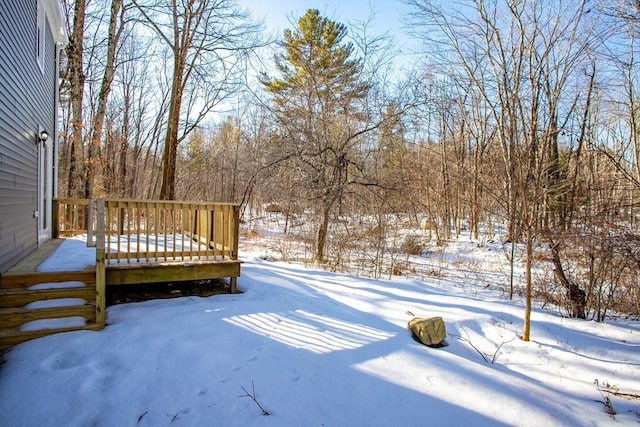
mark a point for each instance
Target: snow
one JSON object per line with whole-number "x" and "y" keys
{"x": 63, "y": 322}
{"x": 58, "y": 285}
{"x": 73, "y": 254}
{"x": 58, "y": 302}
{"x": 326, "y": 349}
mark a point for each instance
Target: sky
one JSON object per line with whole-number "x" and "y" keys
{"x": 315, "y": 348}
{"x": 385, "y": 17}
{"x": 279, "y": 14}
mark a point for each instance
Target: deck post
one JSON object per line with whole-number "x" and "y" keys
{"x": 235, "y": 232}
{"x": 101, "y": 278}
{"x": 90, "y": 242}
{"x": 55, "y": 220}
{"x": 235, "y": 236}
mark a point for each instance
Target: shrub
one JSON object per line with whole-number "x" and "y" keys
{"x": 412, "y": 245}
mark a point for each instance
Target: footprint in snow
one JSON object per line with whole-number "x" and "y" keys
{"x": 62, "y": 361}
{"x": 293, "y": 376}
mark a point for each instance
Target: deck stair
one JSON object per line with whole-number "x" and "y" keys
{"x": 29, "y": 298}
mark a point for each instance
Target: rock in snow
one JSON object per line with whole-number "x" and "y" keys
{"x": 430, "y": 332}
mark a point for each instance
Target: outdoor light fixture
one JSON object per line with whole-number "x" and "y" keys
{"x": 43, "y": 135}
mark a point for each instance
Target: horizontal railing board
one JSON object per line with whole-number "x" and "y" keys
{"x": 155, "y": 202}
{"x": 185, "y": 255}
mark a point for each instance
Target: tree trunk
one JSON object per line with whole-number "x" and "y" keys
{"x": 170, "y": 152}
{"x": 125, "y": 176}
{"x": 105, "y": 88}
{"x": 321, "y": 236}
{"x": 76, "y": 77}
{"x": 577, "y": 297}
{"x": 526, "y": 330}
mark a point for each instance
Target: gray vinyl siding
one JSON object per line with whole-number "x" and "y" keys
{"x": 27, "y": 102}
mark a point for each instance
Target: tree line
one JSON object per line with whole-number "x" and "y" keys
{"x": 516, "y": 114}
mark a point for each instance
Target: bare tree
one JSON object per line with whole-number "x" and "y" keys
{"x": 75, "y": 77}
{"x": 207, "y": 40}
{"x": 115, "y": 29}
{"x": 518, "y": 57}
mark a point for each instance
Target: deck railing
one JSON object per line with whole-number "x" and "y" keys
{"x": 134, "y": 231}
{"x": 71, "y": 217}
{"x": 151, "y": 230}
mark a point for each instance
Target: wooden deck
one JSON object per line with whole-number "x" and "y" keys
{"x": 135, "y": 242}
{"x": 37, "y": 257}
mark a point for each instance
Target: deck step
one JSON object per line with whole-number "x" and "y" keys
{"x": 25, "y": 280}
{"x": 19, "y": 297}
{"x": 13, "y": 336}
{"x": 16, "y": 316}
{"x": 62, "y": 297}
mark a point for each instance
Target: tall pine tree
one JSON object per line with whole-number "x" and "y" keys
{"x": 318, "y": 103}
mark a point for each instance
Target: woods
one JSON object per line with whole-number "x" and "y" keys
{"x": 518, "y": 120}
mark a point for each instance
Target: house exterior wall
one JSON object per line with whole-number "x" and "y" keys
{"x": 28, "y": 93}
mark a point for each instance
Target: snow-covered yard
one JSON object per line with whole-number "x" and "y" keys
{"x": 324, "y": 349}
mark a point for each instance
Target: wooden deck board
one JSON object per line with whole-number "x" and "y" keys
{"x": 170, "y": 272}
{"x": 34, "y": 259}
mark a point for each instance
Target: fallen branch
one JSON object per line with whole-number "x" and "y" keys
{"x": 468, "y": 340}
{"x": 471, "y": 344}
{"x": 621, "y": 394}
{"x": 615, "y": 390}
{"x": 253, "y": 397}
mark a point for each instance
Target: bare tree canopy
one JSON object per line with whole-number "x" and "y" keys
{"x": 208, "y": 41}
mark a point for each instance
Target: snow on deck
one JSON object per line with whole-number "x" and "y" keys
{"x": 73, "y": 254}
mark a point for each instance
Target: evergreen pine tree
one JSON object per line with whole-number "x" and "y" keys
{"x": 316, "y": 101}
